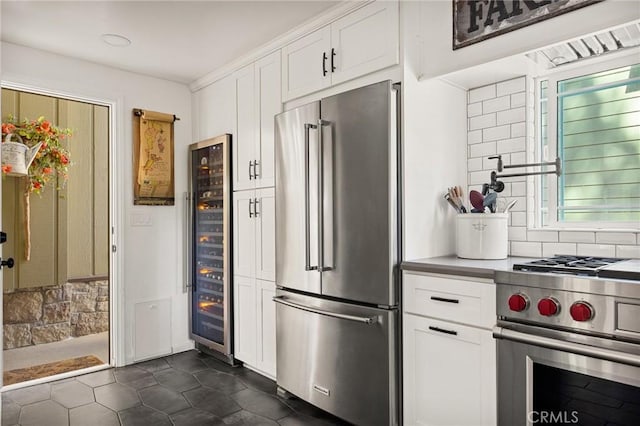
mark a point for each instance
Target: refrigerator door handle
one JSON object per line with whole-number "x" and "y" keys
{"x": 321, "y": 193}
{"x": 307, "y": 208}
{"x": 364, "y": 320}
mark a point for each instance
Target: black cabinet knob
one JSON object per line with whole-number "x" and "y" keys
{"x": 8, "y": 263}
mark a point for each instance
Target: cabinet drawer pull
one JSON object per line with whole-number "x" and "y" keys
{"x": 442, "y": 330}
{"x": 444, "y": 299}
{"x": 250, "y": 173}
{"x": 250, "y": 210}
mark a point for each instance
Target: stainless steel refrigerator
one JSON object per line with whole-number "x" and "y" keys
{"x": 208, "y": 250}
{"x": 337, "y": 254}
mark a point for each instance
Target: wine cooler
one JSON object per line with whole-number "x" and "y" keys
{"x": 209, "y": 233}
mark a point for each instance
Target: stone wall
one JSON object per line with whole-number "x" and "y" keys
{"x": 49, "y": 314}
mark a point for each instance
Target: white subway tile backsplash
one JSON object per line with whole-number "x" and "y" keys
{"x": 482, "y": 121}
{"x": 518, "y": 129}
{"x": 517, "y": 233}
{"x": 474, "y": 164}
{"x": 497, "y": 104}
{"x": 521, "y": 204}
{"x": 518, "y": 218}
{"x": 515, "y": 115}
{"x": 474, "y": 109}
{"x": 510, "y": 86}
{"x": 631, "y": 252}
{"x": 511, "y": 145}
{"x": 496, "y": 133}
{"x": 482, "y": 93}
{"x": 490, "y": 164}
{"x": 518, "y": 188}
{"x": 500, "y": 120}
{"x": 478, "y": 178}
{"x": 551, "y": 249}
{"x": 482, "y": 149}
{"x": 518, "y": 158}
{"x": 518, "y": 99}
{"x": 577, "y": 237}
{"x": 615, "y": 238}
{"x": 596, "y": 250}
{"x": 526, "y": 248}
{"x": 474, "y": 136}
{"x": 543, "y": 236}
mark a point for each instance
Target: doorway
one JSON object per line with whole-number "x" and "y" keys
{"x": 56, "y": 299}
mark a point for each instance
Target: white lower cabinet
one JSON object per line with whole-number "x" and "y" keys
{"x": 254, "y": 325}
{"x": 449, "y": 368}
{"x": 253, "y": 284}
{"x": 266, "y": 327}
{"x": 244, "y": 319}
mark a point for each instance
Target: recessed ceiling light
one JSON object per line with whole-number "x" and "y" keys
{"x": 116, "y": 40}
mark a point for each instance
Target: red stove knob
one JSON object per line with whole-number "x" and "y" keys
{"x": 518, "y": 302}
{"x": 548, "y": 307}
{"x": 581, "y": 311}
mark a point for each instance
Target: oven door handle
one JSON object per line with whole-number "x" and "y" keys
{"x": 575, "y": 348}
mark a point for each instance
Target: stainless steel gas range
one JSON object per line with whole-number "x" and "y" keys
{"x": 568, "y": 337}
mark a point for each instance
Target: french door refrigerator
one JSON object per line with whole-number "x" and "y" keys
{"x": 337, "y": 253}
{"x": 208, "y": 257}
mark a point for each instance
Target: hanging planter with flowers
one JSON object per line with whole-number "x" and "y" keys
{"x": 49, "y": 165}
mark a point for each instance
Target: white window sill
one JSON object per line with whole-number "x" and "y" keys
{"x": 586, "y": 229}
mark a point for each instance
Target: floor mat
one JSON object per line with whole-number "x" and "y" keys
{"x": 45, "y": 370}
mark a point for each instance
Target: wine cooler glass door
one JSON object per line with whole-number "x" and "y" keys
{"x": 208, "y": 298}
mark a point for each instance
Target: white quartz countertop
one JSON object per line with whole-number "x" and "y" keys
{"x": 453, "y": 265}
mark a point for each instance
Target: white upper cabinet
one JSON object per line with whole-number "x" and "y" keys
{"x": 258, "y": 100}
{"x": 361, "y": 42}
{"x": 215, "y": 107}
{"x": 244, "y": 234}
{"x": 268, "y": 103}
{"x": 244, "y": 153}
{"x": 364, "y": 41}
{"x": 265, "y": 218}
{"x": 306, "y": 64}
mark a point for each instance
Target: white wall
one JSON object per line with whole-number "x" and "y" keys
{"x": 435, "y": 34}
{"x": 434, "y": 130}
{"x": 500, "y": 121}
{"x": 150, "y": 257}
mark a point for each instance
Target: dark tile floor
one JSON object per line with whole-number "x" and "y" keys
{"x": 189, "y": 389}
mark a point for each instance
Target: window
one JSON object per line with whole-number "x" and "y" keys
{"x": 590, "y": 117}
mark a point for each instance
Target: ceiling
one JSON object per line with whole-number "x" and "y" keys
{"x": 174, "y": 40}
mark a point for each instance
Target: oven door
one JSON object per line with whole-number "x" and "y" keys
{"x": 554, "y": 377}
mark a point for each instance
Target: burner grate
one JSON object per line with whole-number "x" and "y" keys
{"x": 579, "y": 265}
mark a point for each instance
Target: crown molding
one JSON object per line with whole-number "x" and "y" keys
{"x": 308, "y": 27}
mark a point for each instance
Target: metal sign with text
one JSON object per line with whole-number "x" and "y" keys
{"x": 477, "y": 20}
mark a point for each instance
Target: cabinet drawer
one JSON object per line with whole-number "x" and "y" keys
{"x": 466, "y": 302}
{"x": 447, "y": 367}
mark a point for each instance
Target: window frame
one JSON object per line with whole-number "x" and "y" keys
{"x": 553, "y": 76}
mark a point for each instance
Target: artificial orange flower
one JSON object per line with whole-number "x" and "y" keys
{"x": 6, "y": 169}
{"x": 46, "y": 170}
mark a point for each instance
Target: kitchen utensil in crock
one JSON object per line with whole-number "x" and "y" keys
{"x": 477, "y": 200}
{"x": 447, "y": 197}
{"x": 509, "y": 206}
{"x": 490, "y": 201}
